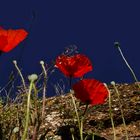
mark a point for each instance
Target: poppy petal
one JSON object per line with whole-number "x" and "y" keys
{"x": 90, "y": 90}
{"x": 14, "y": 38}
{"x": 74, "y": 66}
{"x": 3, "y": 41}
{"x": 11, "y": 38}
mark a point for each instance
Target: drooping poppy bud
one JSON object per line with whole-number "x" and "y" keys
{"x": 73, "y": 66}
{"x": 10, "y": 38}
{"x": 90, "y": 91}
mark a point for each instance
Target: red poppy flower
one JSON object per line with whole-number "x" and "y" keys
{"x": 90, "y": 91}
{"x": 73, "y": 66}
{"x": 10, "y": 38}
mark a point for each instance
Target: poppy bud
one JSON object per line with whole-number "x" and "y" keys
{"x": 32, "y": 77}
{"x": 117, "y": 44}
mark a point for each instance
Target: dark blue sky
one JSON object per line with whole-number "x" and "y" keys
{"x": 92, "y": 25}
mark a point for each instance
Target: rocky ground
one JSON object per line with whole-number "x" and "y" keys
{"x": 60, "y": 116}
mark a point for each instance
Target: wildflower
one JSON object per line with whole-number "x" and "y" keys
{"x": 10, "y": 38}
{"x": 73, "y": 66}
{"x": 90, "y": 91}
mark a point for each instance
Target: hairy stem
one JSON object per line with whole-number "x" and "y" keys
{"x": 28, "y": 111}
{"x": 110, "y": 113}
{"x": 120, "y": 104}
{"x": 129, "y": 67}
{"x": 44, "y": 89}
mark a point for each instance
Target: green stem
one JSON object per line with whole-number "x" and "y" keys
{"x": 78, "y": 119}
{"x": 72, "y": 137}
{"x": 44, "y": 90}
{"x": 93, "y": 136}
{"x": 28, "y": 111}
{"x": 120, "y": 104}
{"x": 110, "y": 112}
{"x": 81, "y": 128}
{"x": 19, "y": 71}
{"x": 80, "y": 122}
{"x": 111, "y": 116}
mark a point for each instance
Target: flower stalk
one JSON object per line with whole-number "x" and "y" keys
{"x": 110, "y": 113}
{"x": 120, "y": 104}
{"x": 78, "y": 119}
{"x": 44, "y": 89}
{"x": 127, "y": 64}
{"x": 31, "y": 78}
{"x": 19, "y": 71}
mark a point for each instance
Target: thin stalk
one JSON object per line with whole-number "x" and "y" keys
{"x": 19, "y": 71}
{"x": 86, "y": 137}
{"x": 31, "y": 78}
{"x": 44, "y": 89}
{"x": 131, "y": 70}
{"x": 129, "y": 67}
{"x": 93, "y": 136}
{"x": 81, "y": 128}
{"x": 78, "y": 119}
{"x": 120, "y": 104}
{"x": 72, "y": 133}
{"x": 27, "y": 112}
{"x": 82, "y": 119}
{"x": 111, "y": 116}
{"x": 110, "y": 113}
{"x": 80, "y": 122}
{"x": 72, "y": 137}
{"x": 36, "y": 114}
